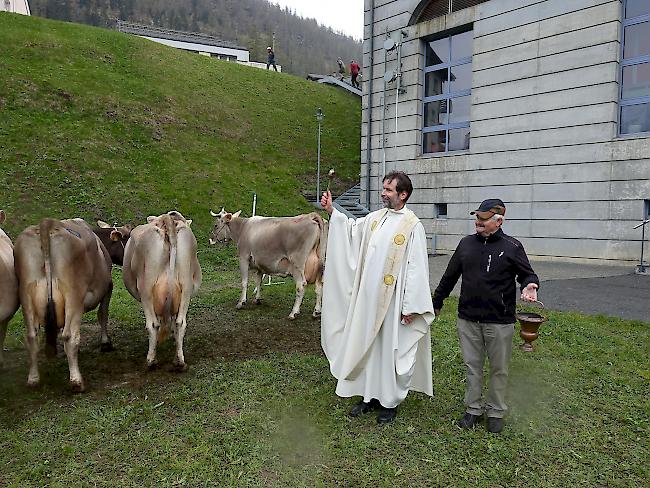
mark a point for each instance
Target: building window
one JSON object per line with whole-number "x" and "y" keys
{"x": 447, "y": 90}
{"x": 646, "y": 209}
{"x": 441, "y": 210}
{"x": 634, "y": 114}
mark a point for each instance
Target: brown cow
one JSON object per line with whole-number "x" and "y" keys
{"x": 277, "y": 246}
{"x": 8, "y": 284}
{"x": 63, "y": 270}
{"x": 161, "y": 270}
{"x": 114, "y": 238}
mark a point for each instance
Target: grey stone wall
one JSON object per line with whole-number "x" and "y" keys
{"x": 543, "y": 126}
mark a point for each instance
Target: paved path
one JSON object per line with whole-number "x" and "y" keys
{"x": 586, "y": 288}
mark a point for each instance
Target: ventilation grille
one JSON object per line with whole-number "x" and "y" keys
{"x": 438, "y": 8}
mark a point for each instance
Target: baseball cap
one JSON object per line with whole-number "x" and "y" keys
{"x": 268, "y": 48}
{"x": 493, "y": 205}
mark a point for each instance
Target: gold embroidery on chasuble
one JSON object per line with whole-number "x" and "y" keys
{"x": 399, "y": 239}
{"x": 374, "y": 225}
{"x": 389, "y": 279}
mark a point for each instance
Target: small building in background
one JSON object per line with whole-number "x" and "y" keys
{"x": 192, "y": 41}
{"x": 15, "y": 6}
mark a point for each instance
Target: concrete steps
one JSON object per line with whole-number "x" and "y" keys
{"x": 348, "y": 203}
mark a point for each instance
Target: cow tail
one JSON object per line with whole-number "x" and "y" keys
{"x": 51, "y": 328}
{"x": 170, "y": 235}
{"x": 321, "y": 246}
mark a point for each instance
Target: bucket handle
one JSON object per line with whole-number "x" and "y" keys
{"x": 534, "y": 301}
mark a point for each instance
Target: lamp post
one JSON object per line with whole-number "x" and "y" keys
{"x": 319, "y": 118}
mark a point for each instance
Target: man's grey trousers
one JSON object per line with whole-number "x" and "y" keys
{"x": 477, "y": 339}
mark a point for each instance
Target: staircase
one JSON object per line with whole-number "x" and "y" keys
{"x": 349, "y": 203}
{"x": 340, "y": 83}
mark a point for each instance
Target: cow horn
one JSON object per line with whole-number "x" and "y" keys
{"x": 213, "y": 214}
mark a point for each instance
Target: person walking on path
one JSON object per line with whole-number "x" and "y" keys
{"x": 341, "y": 65}
{"x": 270, "y": 58}
{"x": 377, "y": 303}
{"x": 354, "y": 72}
{"x": 488, "y": 261}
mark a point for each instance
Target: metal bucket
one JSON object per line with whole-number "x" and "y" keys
{"x": 529, "y": 325}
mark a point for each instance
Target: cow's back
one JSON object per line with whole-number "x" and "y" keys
{"x": 282, "y": 234}
{"x": 147, "y": 265}
{"x": 145, "y": 259}
{"x": 8, "y": 281}
{"x": 79, "y": 263}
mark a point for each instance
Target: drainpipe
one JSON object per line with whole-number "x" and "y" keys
{"x": 369, "y": 92}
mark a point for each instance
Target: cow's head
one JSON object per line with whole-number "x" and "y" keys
{"x": 221, "y": 229}
{"x": 114, "y": 238}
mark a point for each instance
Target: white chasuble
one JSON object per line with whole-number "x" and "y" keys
{"x": 377, "y": 270}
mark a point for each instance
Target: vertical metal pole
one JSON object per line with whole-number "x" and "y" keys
{"x": 273, "y": 42}
{"x": 641, "y": 265}
{"x": 318, "y": 167}
{"x": 254, "y": 203}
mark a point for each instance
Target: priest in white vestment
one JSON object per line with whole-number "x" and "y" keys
{"x": 377, "y": 306}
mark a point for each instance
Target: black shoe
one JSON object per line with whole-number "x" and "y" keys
{"x": 469, "y": 421}
{"x": 364, "y": 407}
{"x": 494, "y": 425}
{"x": 386, "y": 415}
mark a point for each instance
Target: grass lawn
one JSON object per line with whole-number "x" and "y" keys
{"x": 257, "y": 407}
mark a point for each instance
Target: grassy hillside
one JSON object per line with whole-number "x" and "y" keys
{"x": 98, "y": 124}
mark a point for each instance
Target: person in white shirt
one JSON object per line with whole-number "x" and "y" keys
{"x": 377, "y": 305}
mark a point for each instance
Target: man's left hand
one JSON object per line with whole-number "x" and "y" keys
{"x": 529, "y": 294}
{"x": 407, "y": 319}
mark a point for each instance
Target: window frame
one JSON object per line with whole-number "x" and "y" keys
{"x": 627, "y": 102}
{"x": 444, "y": 96}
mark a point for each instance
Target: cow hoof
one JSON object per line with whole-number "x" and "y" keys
{"x": 293, "y": 316}
{"x": 152, "y": 365}
{"x": 106, "y": 347}
{"x": 33, "y": 383}
{"x": 180, "y": 367}
{"x": 77, "y": 386}
{"x": 258, "y": 301}
{"x": 240, "y": 305}
{"x": 315, "y": 315}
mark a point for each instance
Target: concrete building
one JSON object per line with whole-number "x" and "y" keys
{"x": 15, "y": 6}
{"x": 543, "y": 103}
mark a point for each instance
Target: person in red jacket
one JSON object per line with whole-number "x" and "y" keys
{"x": 354, "y": 71}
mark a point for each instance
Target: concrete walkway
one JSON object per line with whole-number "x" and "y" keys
{"x": 592, "y": 289}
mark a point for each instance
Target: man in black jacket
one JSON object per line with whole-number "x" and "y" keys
{"x": 489, "y": 261}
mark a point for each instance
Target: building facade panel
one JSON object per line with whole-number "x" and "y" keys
{"x": 543, "y": 126}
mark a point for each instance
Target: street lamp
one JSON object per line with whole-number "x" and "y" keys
{"x": 319, "y": 118}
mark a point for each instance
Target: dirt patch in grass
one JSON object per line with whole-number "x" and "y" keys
{"x": 215, "y": 333}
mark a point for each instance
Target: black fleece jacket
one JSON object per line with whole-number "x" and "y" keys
{"x": 489, "y": 266}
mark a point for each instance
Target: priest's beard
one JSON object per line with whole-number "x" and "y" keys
{"x": 392, "y": 203}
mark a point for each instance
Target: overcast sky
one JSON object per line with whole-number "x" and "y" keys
{"x": 341, "y": 15}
